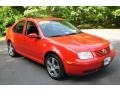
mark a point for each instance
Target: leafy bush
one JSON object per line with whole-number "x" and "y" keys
{"x": 8, "y": 16}
{"x": 84, "y": 16}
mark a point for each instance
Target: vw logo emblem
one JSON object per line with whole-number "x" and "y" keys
{"x": 104, "y": 51}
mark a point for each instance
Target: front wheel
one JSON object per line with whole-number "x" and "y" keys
{"x": 54, "y": 67}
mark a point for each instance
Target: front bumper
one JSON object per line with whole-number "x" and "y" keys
{"x": 80, "y": 67}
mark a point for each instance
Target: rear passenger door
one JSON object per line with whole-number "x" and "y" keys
{"x": 18, "y": 36}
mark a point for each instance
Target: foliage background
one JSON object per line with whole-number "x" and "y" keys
{"x": 81, "y": 16}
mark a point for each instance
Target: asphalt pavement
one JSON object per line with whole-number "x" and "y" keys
{"x": 23, "y": 71}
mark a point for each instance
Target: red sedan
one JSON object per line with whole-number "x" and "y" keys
{"x": 58, "y": 45}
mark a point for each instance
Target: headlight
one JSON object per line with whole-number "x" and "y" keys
{"x": 111, "y": 47}
{"x": 85, "y": 55}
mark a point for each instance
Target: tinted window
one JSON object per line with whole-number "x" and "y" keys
{"x": 57, "y": 28}
{"x": 19, "y": 27}
{"x": 31, "y": 28}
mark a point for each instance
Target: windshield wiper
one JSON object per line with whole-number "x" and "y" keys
{"x": 57, "y": 35}
{"x": 71, "y": 34}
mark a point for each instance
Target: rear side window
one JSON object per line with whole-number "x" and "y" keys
{"x": 19, "y": 27}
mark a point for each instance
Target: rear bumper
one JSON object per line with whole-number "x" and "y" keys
{"x": 85, "y": 67}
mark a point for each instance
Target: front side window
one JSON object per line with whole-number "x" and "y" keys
{"x": 31, "y": 28}
{"x": 57, "y": 28}
{"x": 19, "y": 27}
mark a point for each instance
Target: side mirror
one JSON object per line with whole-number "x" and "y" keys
{"x": 33, "y": 35}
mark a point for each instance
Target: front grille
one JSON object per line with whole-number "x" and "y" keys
{"x": 102, "y": 52}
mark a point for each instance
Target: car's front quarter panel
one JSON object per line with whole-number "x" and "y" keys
{"x": 65, "y": 54}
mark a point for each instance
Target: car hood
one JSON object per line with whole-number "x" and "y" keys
{"x": 81, "y": 42}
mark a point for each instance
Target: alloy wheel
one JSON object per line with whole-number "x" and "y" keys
{"x": 53, "y": 67}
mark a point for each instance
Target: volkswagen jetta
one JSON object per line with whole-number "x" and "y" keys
{"x": 58, "y": 45}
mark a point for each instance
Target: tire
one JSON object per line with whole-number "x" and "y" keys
{"x": 54, "y": 67}
{"x": 11, "y": 50}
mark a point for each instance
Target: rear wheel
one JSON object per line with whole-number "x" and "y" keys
{"x": 54, "y": 67}
{"x": 11, "y": 50}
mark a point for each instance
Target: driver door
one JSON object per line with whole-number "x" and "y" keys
{"x": 32, "y": 45}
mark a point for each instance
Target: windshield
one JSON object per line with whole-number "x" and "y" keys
{"x": 57, "y": 28}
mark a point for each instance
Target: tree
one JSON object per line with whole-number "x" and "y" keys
{"x": 8, "y": 15}
{"x": 77, "y": 15}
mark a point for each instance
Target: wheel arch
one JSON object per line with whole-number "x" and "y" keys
{"x": 53, "y": 52}
{"x": 50, "y": 52}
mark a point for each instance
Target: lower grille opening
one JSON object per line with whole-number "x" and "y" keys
{"x": 90, "y": 71}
